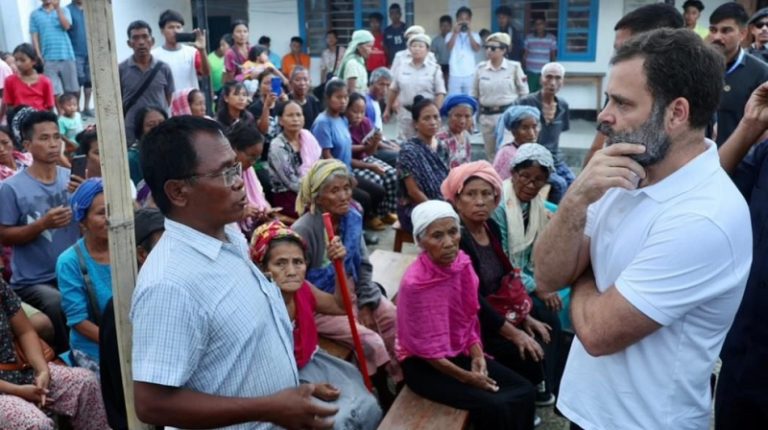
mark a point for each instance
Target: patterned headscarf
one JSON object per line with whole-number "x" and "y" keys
{"x": 18, "y": 119}
{"x": 265, "y": 234}
{"x": 313, "y": 180}
{"x": 534, "y": 152}
{"x": 83, "y": 197}
{"x": 511, "y": 118}
{"x": 458, "y": 177}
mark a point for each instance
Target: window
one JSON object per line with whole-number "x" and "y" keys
{"x": 572, "y": 22}
{"x": 316, "y": 17}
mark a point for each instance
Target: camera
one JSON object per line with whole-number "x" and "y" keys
{"x": 185, "y": 37}
{"x": 464, "y": 27}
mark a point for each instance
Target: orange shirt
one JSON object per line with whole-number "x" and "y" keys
{"x": 290, "y": 61}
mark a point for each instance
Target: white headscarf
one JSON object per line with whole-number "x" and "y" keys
{"x": 428, "y": 212}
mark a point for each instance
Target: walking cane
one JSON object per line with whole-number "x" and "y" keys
{"x": 342, "y": 277}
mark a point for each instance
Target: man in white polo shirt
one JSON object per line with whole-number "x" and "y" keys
{"x": 655, "y": 240}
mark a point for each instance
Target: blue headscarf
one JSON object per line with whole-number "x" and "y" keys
{"x": 455, "y": 100}
{"x": 83, "y": 197}
{"x": 510, "y": 120}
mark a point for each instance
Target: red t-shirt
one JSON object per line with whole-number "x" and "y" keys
{"x": 377, "y": 58}
{"x": 305, "y": 330}
{"x": 38, "y": 95}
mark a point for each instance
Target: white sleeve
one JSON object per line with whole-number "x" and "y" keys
{"x": 686, "y": 260}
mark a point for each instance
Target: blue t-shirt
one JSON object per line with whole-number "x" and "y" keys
{"x": 394, "y": 41}
{"x": 54, "y": 41}
{"x": 24, "y": 201}
{"x": 74, "y": 294}
{"x": 333, "y": 133}
{"x": 76, "y": 32}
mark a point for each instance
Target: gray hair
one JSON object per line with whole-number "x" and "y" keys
{"x": 380, "y": 73}
{"x": 554, "y": 65}
{"x": 296, "y": 71}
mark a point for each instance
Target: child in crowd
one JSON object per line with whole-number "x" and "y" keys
{"x": 70, "y": 122}
{"x": 233, "y": 104}
{"x": 258, "y": 63}
{"x": 280, "y": 253}
{"x": 29, "y": 87}
{"x": 365, "y": 143}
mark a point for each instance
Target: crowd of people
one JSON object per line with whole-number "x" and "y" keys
{"x": 524, "y": 269}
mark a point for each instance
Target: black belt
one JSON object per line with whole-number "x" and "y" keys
{"x": 493, "y": 110}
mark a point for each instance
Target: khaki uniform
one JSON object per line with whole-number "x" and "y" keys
{"x": 411, "y": 81}
{"x": 495, "y": 90}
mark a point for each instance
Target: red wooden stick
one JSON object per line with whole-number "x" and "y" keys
{"x": 342, "y": 277}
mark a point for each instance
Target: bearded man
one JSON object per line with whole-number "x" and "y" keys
{"x": 656, "y": 241}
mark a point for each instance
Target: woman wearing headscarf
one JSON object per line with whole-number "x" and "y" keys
{"x": 84, "y": 276}
{"x": 521, "y": 217}
{"x": 415, "y": 77}
{"x": 423, "y": 162}
{"x": 510, "y": 331}
{"x": 438, "y": 330}
{"x": 327, "y": 187}
{"x": 523, "y": 123}
{"x": 498, "y": 83}
{"x": 459, "y": 109}
{"x": 190, "y": 101}
{"x": 353, "y": 70}
{"x": 281, "y": 254}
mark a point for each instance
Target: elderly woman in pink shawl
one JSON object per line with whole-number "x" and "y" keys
{"x": 291, "y": 154}
{"x": 438, "y": 330}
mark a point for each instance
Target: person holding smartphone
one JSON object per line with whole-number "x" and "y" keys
{"x": 463, "y": 44}
{"x": 187, "y": 62}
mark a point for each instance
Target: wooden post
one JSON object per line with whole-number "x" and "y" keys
{"x": 114, "y": 167}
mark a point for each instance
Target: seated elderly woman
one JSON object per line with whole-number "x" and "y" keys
{"x": 521, "y": 217}
{"x": 327, "y": 187}
{"x": 523, "y": 123}
{"x": 509, "y": 329}
{"x": 31, "y": 389}
{"x": 281, "y": 254}
{"x": 459, "y": 109}
{"x": 84, "y": 276}
{"x": 423, "y": 162}
{"x": 438, "y": 330}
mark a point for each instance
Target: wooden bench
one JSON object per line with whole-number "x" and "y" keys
{"x": 334, "y": 348}
{"x": 413, "y": 412}
{"x": 388, "y": 269}
{"x": 401, "y": 236}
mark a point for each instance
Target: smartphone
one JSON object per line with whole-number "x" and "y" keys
{"x": 275, "y": 210}
{"x": 185, "y": 37}
{"x": 370, "y": 134}
{"x": 78, "y": 165}
{"x": 277, "y": 86}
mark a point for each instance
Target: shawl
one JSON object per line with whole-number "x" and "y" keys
{"x": 519, "y": 239}
{"x": 309, "y": 150}
{"x": 437, "y": 309}
{"x": 427, "y": 168}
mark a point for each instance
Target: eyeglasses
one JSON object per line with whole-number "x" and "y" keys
{"x": 230, "y": 174}
{"x": 761, "y": 24}
{"x": 526, "y": 180}
{"x": 493, "y": 48}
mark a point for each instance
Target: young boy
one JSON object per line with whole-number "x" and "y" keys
{"x": 70, "y": 122}
{"x": 36, "y": 220}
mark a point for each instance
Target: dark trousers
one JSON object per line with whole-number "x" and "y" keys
{"x": 737, "y": 406}
{"x": 109, "y": 368}
{"x": 510, "y": 408}
{"x": 507, "y": 354}
{"x": 47, "y": 298}
{"x": 387, "y": 156}
{"x": 369, "y": 195}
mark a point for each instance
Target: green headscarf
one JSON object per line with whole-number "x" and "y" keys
{"x": 359, "y": 37}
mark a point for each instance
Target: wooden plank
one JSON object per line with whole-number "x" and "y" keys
{"x": 334, "y": 348}
{"x": 114, "y": 165}
{"x": 413, "y": 412}
{"x": 388, "y": 269}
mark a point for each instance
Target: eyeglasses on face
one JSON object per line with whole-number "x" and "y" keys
{"x": 230, "y": 174}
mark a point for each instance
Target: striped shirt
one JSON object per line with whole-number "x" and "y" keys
{"x": 538, "y": 51}
{"x": 205, "y": 319}
{"x": 55, "y": 44}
